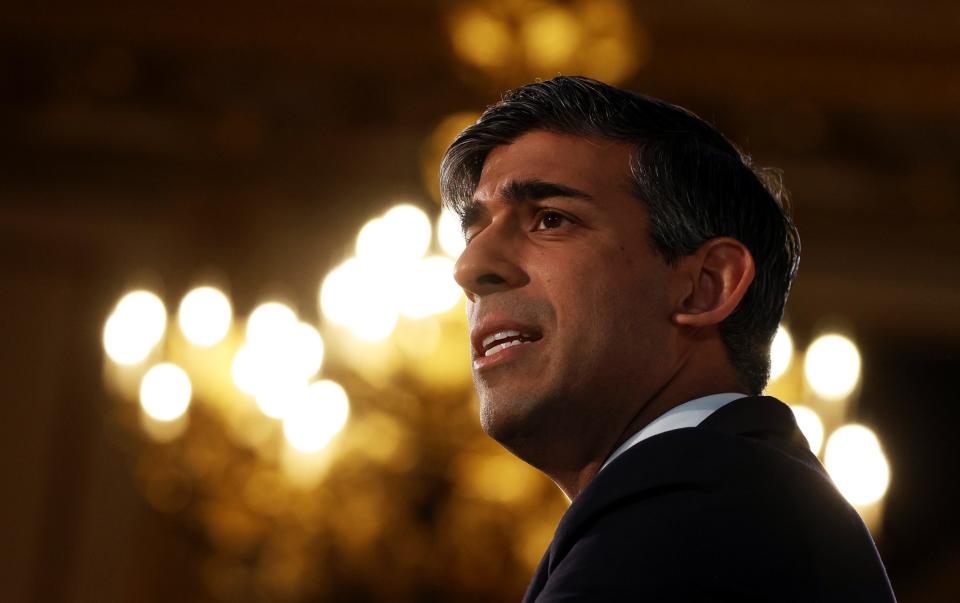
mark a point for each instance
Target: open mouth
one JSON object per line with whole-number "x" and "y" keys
{"x": 501, "y": 340}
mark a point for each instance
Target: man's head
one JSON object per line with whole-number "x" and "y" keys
{"x": 582, "y": 204}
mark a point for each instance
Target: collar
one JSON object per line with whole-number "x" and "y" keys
{"x": 688, "y": 414}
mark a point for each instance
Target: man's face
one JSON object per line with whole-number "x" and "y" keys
{"x": 560, "y": 269}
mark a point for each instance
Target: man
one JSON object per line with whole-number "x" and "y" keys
{"x": 626, "y": 270}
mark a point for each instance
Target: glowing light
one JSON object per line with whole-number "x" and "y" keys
{"x": 275, "y": 401}
{"x": 429, "y": 288}
{"x": 165, "y": 392}
{"x": 304, "y": 350}
{"x": 270, "y": 321}
{"x": 615, "y": 44}
{"x": 373, "y": 240}
{"x": 356, "y": 295}
{"x": 402, "y": 235}
{"x": 857, "y": 465}
{"x": 134, "y": 327}
{"x": 436, "y": 145}
{"x": 205, "y": 315}
{"x": 245, "y": 370}
{"x": 832, "y": 366}
{"x": 810, "y": 425}
{"x": 551, "y": 37}
{"x": 315, "y": 417}
{"x": 270, "y": 368}
{"x": 781, "y": 352}
{"x": 480, "y": 39}
{"x": 449, "y": 234}
{"x": 419, "y": 339}
{"x": 409, "y": 232}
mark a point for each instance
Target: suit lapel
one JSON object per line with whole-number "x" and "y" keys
{"x": 674, "y": 459}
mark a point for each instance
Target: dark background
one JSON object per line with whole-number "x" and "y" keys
{"x": 255, "y": 138}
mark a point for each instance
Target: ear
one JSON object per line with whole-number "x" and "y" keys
{"x": 717, "y": 277}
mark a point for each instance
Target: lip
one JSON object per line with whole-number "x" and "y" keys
{"x": 493, "y": 325}
{"x": 481, "y": 362}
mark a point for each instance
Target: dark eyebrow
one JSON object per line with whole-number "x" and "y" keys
{"x": 519, "y": 191}
{"x": 535, "y": 190}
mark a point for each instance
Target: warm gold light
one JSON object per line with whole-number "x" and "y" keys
{"x": 450, "y": 234}
{"x": 165, "y": 392}
{"x": 245, "y": 370}
{"x": 270, "y": 367}
{"x": 316, "y": 416}
{"x": 781, "y": 352}
{"x": 270, "y": 321}
{"x": 428, "y": 288}
{"x": 373, "y": 240}
{"x": 480, "y": 39}
{"x": 304, "y": 351}
{"x": 832, "y": 366}
{"x": 551, "y": 36}
{"x": 274, "y": 399}
{"x": 436, "y": 145}
{"x": 134, "y": 327}
{"x": 519, "y": 40}
{"x": 857, "y": 464}
{"x": 204, "y": 316}
{"x": 401, "y": 236}
{"x": 358, "y": 295}
{"x": 810, "y": 425}
{"x": 615, "y": 44}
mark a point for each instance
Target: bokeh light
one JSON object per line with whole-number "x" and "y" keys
{"x": 810, "y": 425}
{"x": 270, "y": 367}
{"x": 304, "y": 350}
{"x": 358, "y": 295}
{"x": 550, "y": 36}
{"x": 135, "y": 326}
{"x": 270, "y": 321}
{"x": 781, "y": 353}
{"x": 409, "y": 232}
{"x": 373, "y": 240}
{"x": 275, "y": 399}
{"x": 832, "y": 366}
{"x": 450, "y": 234}
{"x": 245, "y": 370}
{"x": 428, "y": 288}
{"x": 205, "y": 315}
{"x": 165, "y": 392}
{"x": 857, "y": 464}
{"x": 401, "y": 235}
{"x": 479, "y": 38}
{"x": 316, "y": 416}
{"x": 520, "y": 40}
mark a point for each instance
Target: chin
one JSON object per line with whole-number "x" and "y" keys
{"x": 513, "y": 422}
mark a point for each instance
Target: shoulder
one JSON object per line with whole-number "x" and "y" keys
{"x": 705, "y": 511}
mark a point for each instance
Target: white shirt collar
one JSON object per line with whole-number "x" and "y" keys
{"x": 688, "y": 414}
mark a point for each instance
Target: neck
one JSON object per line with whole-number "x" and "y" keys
{"x": 692, "y": 380}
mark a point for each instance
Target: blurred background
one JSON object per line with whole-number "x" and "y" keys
{"x": 233, "y": 365}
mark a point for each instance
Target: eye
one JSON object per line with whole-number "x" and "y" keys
{"x": 550, "y": 219}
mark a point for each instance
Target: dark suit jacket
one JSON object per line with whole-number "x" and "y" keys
{"x": 737, "y": 509}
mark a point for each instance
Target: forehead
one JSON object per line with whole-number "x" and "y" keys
{"x": 593, "y": 165}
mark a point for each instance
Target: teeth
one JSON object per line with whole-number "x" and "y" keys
{"x": 503, "y": 346}
{"x": 499, "y": 335}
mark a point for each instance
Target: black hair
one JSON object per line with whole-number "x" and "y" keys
{"x": 695, "y": 183}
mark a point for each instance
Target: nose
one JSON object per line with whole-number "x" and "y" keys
{"x": 489, "y": 263}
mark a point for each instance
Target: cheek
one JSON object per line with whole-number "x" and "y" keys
{"x": 618, "y": 302}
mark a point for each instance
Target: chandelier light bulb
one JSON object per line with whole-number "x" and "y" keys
{"x": 781, "y": 353}
{"x": 135, "y": 326}
{"x": 205, "y": 315}
{"x": 165, "y": 392}
{"x": 832, "y": 366}
{"x": 857, "y": 464}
